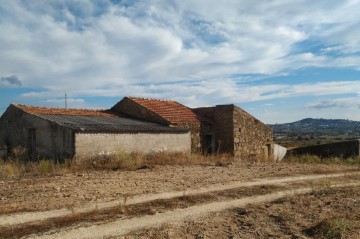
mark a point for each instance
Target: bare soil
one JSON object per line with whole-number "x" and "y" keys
{"x": 326, "y": 213}
{"x": 75, "y": 189}
{"x": 192, "y": 198}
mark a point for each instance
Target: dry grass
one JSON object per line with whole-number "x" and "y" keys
{"x": 14, "y": 167}
{"x": 330, "y": 228}
{"x": 128, "y": 211}
{"x": 133, "y": 161}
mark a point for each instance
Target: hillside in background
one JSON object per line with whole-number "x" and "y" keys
{"x": 311, "y": 131}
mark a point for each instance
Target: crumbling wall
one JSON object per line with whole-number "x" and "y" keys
{"x": 343, "y": 149}
{"x": 252, "y": 138}
{"x": 239, "y": 133}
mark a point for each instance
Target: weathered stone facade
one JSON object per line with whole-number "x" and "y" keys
{"x": 252, "y": 138}
{"x": 238, "y": 133}
{"x": 40, "y": 138}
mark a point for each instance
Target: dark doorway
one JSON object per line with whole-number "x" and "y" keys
{"x": 32, "y": 143}
{"x": 209, "y": 143}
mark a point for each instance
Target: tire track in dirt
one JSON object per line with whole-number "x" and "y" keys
{"x": 122, "y": 227}
{"x": 20, "y": 218}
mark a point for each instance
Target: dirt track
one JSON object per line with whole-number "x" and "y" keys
{"x": 200, "y": 189}
{"x": 18, "y": 218}
{"x": 122, "y": 227}
{"x": 77, "y": 189}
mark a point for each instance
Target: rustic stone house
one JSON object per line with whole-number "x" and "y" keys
{"x": 64, "y": 133}
{"x": 220, "y": 129}
{"x": 136, "y": 124}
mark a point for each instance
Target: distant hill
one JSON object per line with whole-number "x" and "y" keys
{"x": 318, "y": 127}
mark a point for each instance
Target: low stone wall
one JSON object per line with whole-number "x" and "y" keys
{"x": 341, "y": 149}
{"x": 105, "y": 144}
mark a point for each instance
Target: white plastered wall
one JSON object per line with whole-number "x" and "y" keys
{"x": 104, "y": 143}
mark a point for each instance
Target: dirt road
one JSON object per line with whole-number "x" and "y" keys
{"x": 19, "y": 218}
{"x": 77, "y": 189}
{"x": 125, "y": 202}
{"x": 121, "y": 227}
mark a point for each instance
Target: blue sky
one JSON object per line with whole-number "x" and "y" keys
{"x": 280, "y": 60}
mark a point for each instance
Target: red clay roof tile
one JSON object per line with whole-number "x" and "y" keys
{"x": 170, "y": 110}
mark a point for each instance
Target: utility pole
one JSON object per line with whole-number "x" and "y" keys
{"x": 65, "y": 101}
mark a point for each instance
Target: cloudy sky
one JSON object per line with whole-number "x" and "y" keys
{"x": 280, "y": 60}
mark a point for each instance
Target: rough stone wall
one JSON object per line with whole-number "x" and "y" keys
{"x": 224, "y": 133}
{"x": 104, "y": 144}
{"x": 52, "y": 140}
{"x": 252, "y": 138}
{"x": 195, "y": 135}
{"x": 130, "y": 108}
{"x": 208, "y": 112}
{"x": 343, "y": 149}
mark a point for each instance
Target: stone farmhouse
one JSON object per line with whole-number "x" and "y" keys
{"x": 135, "y": 124}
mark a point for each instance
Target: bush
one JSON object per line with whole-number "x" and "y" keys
{"x": 46, "y": 167}
{"x": 332, "y": 228}
{"x": 10, "y": 169}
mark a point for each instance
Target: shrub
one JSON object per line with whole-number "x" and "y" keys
{"x": 10, "y": 169}
{"x": 46, "y": 167}
{"x": 332, "y": 228}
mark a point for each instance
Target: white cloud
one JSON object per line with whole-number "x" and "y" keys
{"x": 99, "y": 49}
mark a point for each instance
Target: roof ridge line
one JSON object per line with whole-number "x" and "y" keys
{"x": 147, "y": 98}
{"x": 44, "y": 107}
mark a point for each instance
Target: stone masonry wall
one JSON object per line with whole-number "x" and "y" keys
{"x": 224, "y": 133}
{"x": 252, "y": 138}
{"x": 195, "y": 134}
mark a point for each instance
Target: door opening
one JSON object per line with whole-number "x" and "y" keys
{"x": 209, "y": 142}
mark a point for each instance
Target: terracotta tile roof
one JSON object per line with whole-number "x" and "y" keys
{"x": 169, "y": 110}
{"x": 94, "y": 121}
{"x": 62, "y": 111}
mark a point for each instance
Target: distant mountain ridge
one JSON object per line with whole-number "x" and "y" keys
{"x": 311, "y": 126}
